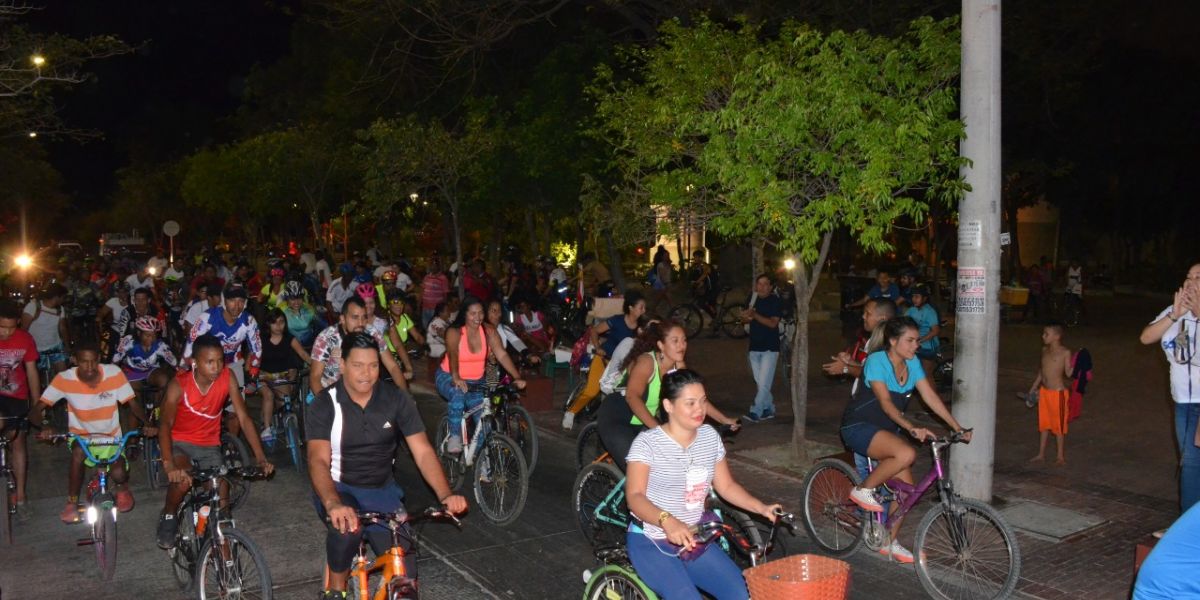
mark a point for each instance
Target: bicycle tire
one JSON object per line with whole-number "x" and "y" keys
{"x": 615, "y": 581}
{"x": 291, "y": 426}
{"x": 832, "y": 521}
{"x": 155, "y": 475}
{"x": 401, "y": 588}
{"x": 946, "y": 519}
{"x": 519, "y": 426}
{"x": 187, "y": 547}
{"x": 6, "y": 507}
{"x": 208, "y": 567}
{"x": 507, "y": 477}
{"x": 588, "y": 446}
{"x": 732, "y": 323}
{"x": 236, "y": 454}
{"x": 451, "y": 463}
{"x": 574, "y": 392}
{"x": 690, "y": 318}
{"x": 592, "y": 487}
{"x": 104, "y": 541}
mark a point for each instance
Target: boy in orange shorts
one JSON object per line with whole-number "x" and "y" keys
{"x": 1053, "y": 389}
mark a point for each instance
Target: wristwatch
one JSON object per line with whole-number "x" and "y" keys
{"x": 845, "y": 369}
{"x": 662, "y": 517}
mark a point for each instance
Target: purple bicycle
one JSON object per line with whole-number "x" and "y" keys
{"x": 963, "y": 547}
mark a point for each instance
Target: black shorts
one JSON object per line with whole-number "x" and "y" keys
{"x": 12, "y": 407}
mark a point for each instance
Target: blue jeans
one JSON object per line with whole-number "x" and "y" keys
{"x": 458, "y": 400}
{"x": 762, "y": 366}
{"x": 341, "y": 547}
{"x": 426, "y": 317}
{"x": 1186, "y": 416}
{"x": 675, "y": 579}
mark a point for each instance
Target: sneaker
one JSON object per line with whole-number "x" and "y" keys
{"x": 865, "y": 499}
{"x": 768, "y": 415}
{"x": 268, "y": 434}
{"x": 24, "y": 512}
{"x": 568, "y": 420}
{"x": 485, "y": 469}
{"x": 70, "y": 513}
{"x": 899, "y": 553}
{"x": 332, "y": 595}
{"x": 166, "y": 531}
{"x": 752, "y": 417}
{"x": 454, "y": 445}
{"x": 124, "y": 500}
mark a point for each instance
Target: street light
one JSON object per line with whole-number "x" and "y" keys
{"x": 413, "y": 196}
{"x": 23, "y": 261}
{"x": 789, "y": 264}
{"x": 38, "y": 60}
{"x": 32, "y": 134}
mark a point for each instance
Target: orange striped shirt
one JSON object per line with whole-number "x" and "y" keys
{"x": 92, "y": 410}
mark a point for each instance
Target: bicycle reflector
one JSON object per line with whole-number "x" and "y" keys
{"x": 92, "y": 515}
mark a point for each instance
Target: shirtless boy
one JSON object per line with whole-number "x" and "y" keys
{"x": 1053, "y": 388}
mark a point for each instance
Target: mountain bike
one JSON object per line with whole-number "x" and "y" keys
{"x": 515, "y": 422}
{"x": 723, "y": 317}
{"x": 8, "y": 479}
{"x": 151, "y": 453}
{"x": 501, "y": 477}
{"x": 286, "y": 419}
{"x": 963, "y": 548}
{"x": 393, "y": 581}
{"x": 616, "y": 577}
{"x": 212, "y": 558}
{"x": 236, "y": 454}
{"x": 101, "y": 510}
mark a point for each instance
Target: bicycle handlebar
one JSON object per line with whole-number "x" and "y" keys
{"x": 395, "y": 519}
{"x": 201, "y": 475}
{"x": 955, "y": 437}
{"x": 87, "y": 444}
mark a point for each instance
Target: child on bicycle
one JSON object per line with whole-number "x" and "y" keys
{"x": 670, "y": 471}
{"x": 145, "y": 357}
{"x": 282, "y": 357}
{"x": 93, "y": 391}
{"x": 874, "y": 418}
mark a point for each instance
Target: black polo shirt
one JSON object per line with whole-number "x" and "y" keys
{"x": 363, "y": 441}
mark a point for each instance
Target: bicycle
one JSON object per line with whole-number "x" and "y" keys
{"x": 8, "y": 480}
{"x": 617, "y": 578}
{"x": 287, "y": 419}
{"x": 953, "y": 559}
{"x": 394, "y": 581}
{"x": 151, "y": 453}
{"x": 500, "y": 473}
{"x": 724, "y": 317}
{"x": 515, "y": 422}
{"x": 212, "y": 558}
{"x": 101, "y": 510}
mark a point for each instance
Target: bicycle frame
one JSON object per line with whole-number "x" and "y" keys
{"x": 908, "y": 495}
{"x": 101, "y": 499}
{"x": 390, "y": 564}
{"x": 473, "y": 444}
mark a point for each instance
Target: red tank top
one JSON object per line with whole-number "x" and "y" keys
{"x": 470, "y": 365}
{"x": 198, "y": 418}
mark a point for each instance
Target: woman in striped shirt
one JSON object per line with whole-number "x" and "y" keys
{"x": 670, "y": 470}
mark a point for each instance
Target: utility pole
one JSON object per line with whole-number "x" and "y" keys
{"x": 977, "y": 329}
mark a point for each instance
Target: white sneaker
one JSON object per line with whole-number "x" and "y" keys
{"x": 898, "y": 552}
{"x": 568, "y": 420}
{"x": 865, "y": 499}
{"x": 268, "y": 434}
{"x": 454, "y": 445}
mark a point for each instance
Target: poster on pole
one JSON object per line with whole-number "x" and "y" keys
{"x": 972, "y": 291}
{"x": 970, "y": 235}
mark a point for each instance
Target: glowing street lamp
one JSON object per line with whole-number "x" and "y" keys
{"x": 38, "y": 60}
{"x": 789, "y": 264}
{"x": 32, "y": 134}
{"x": 23, "y": 261}
{"x": 413, "y": 196}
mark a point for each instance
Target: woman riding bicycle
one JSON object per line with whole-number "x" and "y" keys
{"x": 614, "y": 329}
{"x": 874, "y": 418}
{"x": 379, "y": 324}
{"x": 281, "y": 359}
{"x": 659, "y": 350}
{"x": 460, "y": 377}
{"x": 671, "y": 469}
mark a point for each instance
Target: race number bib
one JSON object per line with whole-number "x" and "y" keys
{"x": 696, "y": 488}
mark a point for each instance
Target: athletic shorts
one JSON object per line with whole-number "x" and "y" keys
{"x": 12, "y": 407}
{"x": 858, "y": 436}
{"x": 202, "y": 457}
{"x": 1052, "y": 410}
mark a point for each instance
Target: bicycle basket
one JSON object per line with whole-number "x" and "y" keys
{"x": 806, "y": 576}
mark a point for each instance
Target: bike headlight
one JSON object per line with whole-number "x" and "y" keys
{"x": 92, "y": 515}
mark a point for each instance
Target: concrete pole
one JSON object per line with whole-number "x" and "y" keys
{"x": 977, "y": 330}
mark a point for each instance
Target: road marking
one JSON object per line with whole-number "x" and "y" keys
{"x": 507, "y": 544}
{"x": 466, "y": 573}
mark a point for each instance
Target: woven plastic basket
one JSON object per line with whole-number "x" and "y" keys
{"x": 806, "y": 576}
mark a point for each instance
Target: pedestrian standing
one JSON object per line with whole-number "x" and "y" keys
{"x": 1175, "y": 329}
{"x": 764, "y": 346}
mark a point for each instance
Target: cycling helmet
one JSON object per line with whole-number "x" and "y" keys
{"x": 388, "y": 275}
{"x": 293, "y": 289}
{"x": 277, "y": 272}
{"x": 146, "y": 323}
{"x": 365, "y": 291}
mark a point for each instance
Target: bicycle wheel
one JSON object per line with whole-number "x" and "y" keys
{"x": 236, "y": 455}
{"x": 519, "y": 426}
{"x": 291, "y": 425}
{"x": 832, "y": 521}
{"x": 501, "y": 480}
{"x": 588, "y": 446}
{"x": 6, "y": 507}
{"x": 732, "y": 323}
{"x": 155, "y": 476}
{"x": 104, "y": 541}
{"x": 966, "y": 550}
{"x": 234, "y": 569}
{"x": 612, "y": 582}
{"x": 592, "y": 487}
{"x": 401, "y": 588}
{"x": 187, "y": 547}
{"x": 451, "y": 463}
{"x": 574, "y": 392}
{"x": 690, "y": 318}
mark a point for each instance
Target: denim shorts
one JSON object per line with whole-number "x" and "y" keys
{"x": 50, "y": 357}
{"x": 858, "y": 436}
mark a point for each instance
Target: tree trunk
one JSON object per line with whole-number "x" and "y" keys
{"x": 803, "y": 287}
{"x": 757, "y": 260}
{"x": 614, "y": 259}
{"x": 458, "y": 253}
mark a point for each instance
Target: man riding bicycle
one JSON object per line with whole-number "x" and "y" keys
{"x": 326, "y": 351}
{"x": 354, "y": 429}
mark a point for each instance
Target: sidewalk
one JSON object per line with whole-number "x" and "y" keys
{"x": 1077, "y": 524}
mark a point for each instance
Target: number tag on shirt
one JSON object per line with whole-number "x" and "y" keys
{"x": 696, "y": 488}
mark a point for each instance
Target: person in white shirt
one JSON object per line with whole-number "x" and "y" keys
{"x": 43, "y": 319}
{"x": 137, "y": 281}
{"x": 435, "y": 334}
{"x": 157, "y": 264}
{"x": 324, "y": 274}
{"x": 340, "y": 289}
{"x": 309, "y": 260}
{"x": 172, "y": 273}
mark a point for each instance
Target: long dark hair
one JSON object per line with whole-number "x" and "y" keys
{"x": 648, "y": 339}
{"x": 460, "y": 320}
{"x": 895, "y": 327}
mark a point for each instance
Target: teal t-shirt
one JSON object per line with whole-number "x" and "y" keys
{"x": 926, "y": 317}
{"x": 879, "y": 368}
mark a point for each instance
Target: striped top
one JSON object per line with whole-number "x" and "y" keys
{"x": 679, "y": 477}
{"x": 92, "y": 410}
